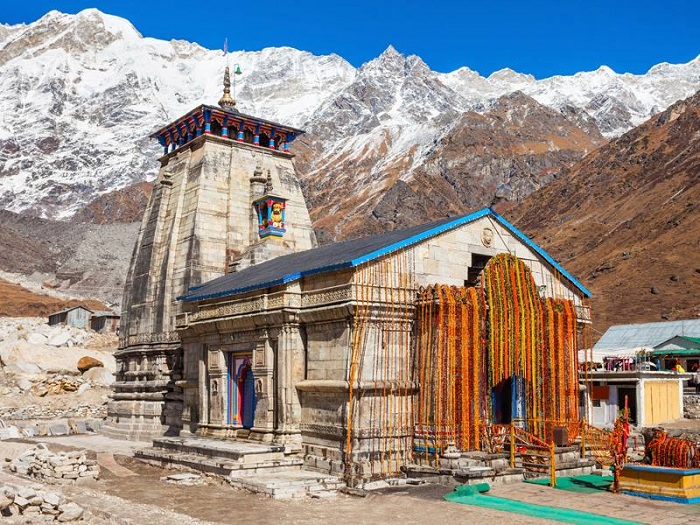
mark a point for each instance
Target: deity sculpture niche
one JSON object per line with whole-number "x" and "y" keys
{"x": 271, "y": 212}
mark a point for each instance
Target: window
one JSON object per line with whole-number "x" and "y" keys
{"x": 215, "y": 128}
{"x": 479, "y": 262}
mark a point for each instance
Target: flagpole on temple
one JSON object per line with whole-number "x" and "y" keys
{"x": 236, "y": 71}
{"x": 236, "y": 67}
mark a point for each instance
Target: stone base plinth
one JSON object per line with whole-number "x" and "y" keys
{"x": 663, "y": 483}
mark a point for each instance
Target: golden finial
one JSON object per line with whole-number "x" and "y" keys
{"x": 226, "y": 100}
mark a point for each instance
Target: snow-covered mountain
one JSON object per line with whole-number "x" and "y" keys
{"x": 79, "y": 95}
{"x": 617, "y": 102}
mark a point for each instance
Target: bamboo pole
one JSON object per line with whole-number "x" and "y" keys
{"x": 552, "y": 466}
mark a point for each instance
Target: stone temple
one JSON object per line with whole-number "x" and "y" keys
{"x": 357, "y": 358}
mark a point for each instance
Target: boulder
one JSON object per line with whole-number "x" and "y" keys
{"x": 99, "y": 376}
{"x": 36, "y": 338}
{"x": 51, "y": 283}
{"x": 70, "y": 512}
{"x": 60, "y": 339}
{"x": 6, "y": 498}
{"x": 53, "y": 499}
{"x": 85, "y": 363}
{"x": 24, "y": 384}
{"x": 22, "y": 367}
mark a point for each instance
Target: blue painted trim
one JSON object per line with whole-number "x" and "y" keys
{"x": 459, "y": 221}
{"x": 422, "y": 448}
{"x": 675, "y": 499}
{"x": 520, "y": 235}
{"x": 664, "y": 470}
{"x": 421, "y": 236}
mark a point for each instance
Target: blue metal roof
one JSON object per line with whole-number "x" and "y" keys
{"x": 646, "y": 335}
{"x": 349, "y": 254}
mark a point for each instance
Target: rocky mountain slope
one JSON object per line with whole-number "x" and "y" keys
{"x": 89, "y": 259}
{"x": 18, "y": 301}
{"x": 626, "y": 220}
{"x": 79, "y": 95}
{"x": 470, "y": 161}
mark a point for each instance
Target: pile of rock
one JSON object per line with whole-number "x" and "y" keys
{"x": 32, "y": 501}
{"x": 38, "y": 412}
{"x": 691, "y": 406}
{"x": 55, "y": 468}
{"x": 59, "y": 384}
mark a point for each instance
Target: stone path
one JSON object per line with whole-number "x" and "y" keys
{"x": 614, "y": 505}
{"x": 144, "y": 498}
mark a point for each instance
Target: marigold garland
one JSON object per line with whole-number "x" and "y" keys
{"x": 471, "y": 340}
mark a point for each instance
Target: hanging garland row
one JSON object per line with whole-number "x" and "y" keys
{"x": 471, "y": 342}
{"x": 449, "y": 357}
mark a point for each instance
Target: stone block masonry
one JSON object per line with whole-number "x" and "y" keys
{"x": 60, "y": 468}
{"x": 34, "y": 503}
{"x": 691, "y": 406}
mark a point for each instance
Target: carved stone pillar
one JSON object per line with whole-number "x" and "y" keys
{"x": 194, "y": 355}
{"x": 218, "y": 388}
{"x": 289, "y": 371}
{"x": 263, "y": 367}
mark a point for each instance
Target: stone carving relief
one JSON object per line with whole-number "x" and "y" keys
{"x": 327, "y": 295}
{"x": 487, "y": 237}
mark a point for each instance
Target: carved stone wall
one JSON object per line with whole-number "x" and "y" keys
{"x": 197, "y": 226}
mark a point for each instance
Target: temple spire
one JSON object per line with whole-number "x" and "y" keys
{"x": 226, "y": 101}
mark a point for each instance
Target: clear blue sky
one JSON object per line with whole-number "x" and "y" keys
{"x": 537, "y": 37}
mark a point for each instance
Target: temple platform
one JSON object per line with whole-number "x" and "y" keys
{"x": 289, "y": 484}
{"x": 218, "y": 456}
{"x": 260, "y": 468}
{"x": 662, "y": 483}
{"x": 477, "y": 467}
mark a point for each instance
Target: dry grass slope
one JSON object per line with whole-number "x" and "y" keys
{"x": 20, "y": 302}
{"x": 626, "y": 220}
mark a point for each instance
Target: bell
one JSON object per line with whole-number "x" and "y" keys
{"x": 238, "y": 70}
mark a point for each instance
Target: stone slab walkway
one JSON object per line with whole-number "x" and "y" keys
{"x": 620, "y": 506}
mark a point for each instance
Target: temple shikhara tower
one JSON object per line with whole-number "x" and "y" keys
{"x": 354, "y": 360}
{"x": 226, "y": 197}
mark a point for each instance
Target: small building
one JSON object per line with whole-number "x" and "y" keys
{"x": 77, "y": 316}
{"x": 680, "y": 348}
{"x": 627, "y": 337}
{"x": 652, "y": 397}
{"x": 637, "y": 361}
{"x": 105, "y": 322}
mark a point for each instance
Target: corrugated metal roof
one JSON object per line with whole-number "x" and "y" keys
{"x": 677, "y": 352}
{"x": 349, "y": 254}
{"x": 646, "y": 335}
{"x": 70, "y": 309}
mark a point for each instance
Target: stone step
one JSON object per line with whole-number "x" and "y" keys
{"x": 238, "y": 451}
{"x": 289, "y": 485}
{"x": 221, "y": 466}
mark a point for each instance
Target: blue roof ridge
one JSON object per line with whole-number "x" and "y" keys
{"x": 393, "y": 247}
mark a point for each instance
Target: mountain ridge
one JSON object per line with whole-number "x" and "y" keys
{"x": 98, "y": 88}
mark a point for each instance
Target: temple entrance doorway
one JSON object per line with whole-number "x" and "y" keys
{"x": 241, "y": 391}
{"x": 508, "y": 401}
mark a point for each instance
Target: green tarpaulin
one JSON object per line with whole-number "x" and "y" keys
{"x": 473, "y": 495}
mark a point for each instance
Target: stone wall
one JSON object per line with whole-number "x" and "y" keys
{"x": 445, "y": 258}
{"x": 691, "y": 406}
{"x": 31, "y": 504}
{"x": 60, "y": 468}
